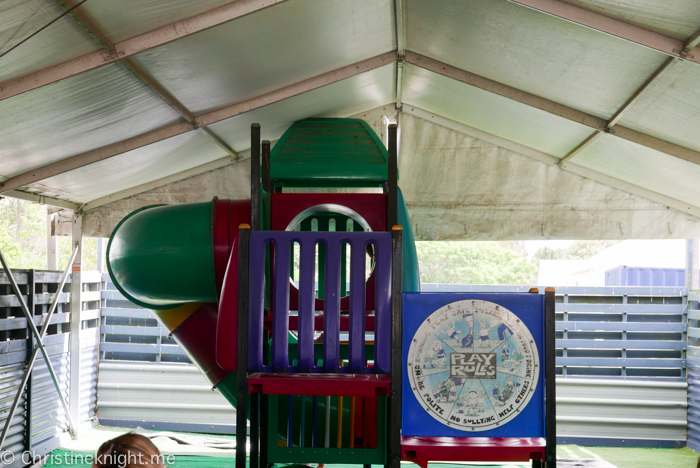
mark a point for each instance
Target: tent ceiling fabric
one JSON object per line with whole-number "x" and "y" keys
{"x": 533, "y": 52}
{"x": 75, "y": 115}
{"x": 128, "y": 18}
{"x": 677, "y": 18}
{"x": 490, "y": 112}
{"x": 63, "y": 40}
{"x": 204, "y": 72}
{"x": 270, "y": 47}
{"x": 671, "y": 110}
{"x": 460, "y": 187}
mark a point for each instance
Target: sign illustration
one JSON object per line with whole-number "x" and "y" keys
{"x": 473, "y": 365}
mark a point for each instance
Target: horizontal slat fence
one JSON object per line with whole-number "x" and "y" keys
{"x": 694, "y": 370}
{"x": 40, "y": 419}
{"x": 147, "y": 380}
{"x": 623, "y": 332}
{"x": 131, "y": 333}
{"x": 621, "y": 360}
{"x": 621, "y": 363}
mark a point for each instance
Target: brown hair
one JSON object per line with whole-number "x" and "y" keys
{"x": 128, "y": 451}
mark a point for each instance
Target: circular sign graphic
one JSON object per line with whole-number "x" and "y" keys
{"x": 473, "y": 365}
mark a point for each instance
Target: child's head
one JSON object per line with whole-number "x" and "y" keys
{"x": 128, "y": 451}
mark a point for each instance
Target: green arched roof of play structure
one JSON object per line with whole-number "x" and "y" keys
{"x": 328, "y": 151}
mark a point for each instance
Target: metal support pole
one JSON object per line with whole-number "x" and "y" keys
{"x": 51, "y": 244}
{"x": 266, "y": 182}
{"x": 550, "y": 371}
{"x": 255, "y": 177}
{"x": 31, "y": 305}
{"x": 38, "y": 347}
{"x": 692, "y": 264}
{"x": 242, "y": 390}
{"x": 392, "y": 185}
{"x": 396, "y": 343}
{"x": 76, "y": 306}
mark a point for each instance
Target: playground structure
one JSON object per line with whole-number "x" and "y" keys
{"x": 340, "y": 358}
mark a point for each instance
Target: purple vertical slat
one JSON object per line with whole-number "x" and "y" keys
{"x": 307, "y": 296}
{"x": 256, "y": 301}
{"x": 331, "y": 323}
{"x": 382, "y": 321}
{"x": 280, "y": 306}
{"x": 331, "y": 303}
{"x": 357, "y": 306}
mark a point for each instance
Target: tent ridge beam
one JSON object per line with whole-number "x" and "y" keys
{"x": 296, "y": 89}
{"x": 90, "y": 25}
{"x": 693, "y": 42}
{"x": 400, "y": 26}
{"x": 584, "y": 144}
{"x": 41, "y": 199}
{"x": 643, "y": 89}
{"x": 169, "y": 131}
{"x": 506, "y": 91}
{"x": 549, "y": 159}
{"x": 613, "y": 27}
{"x": 133, "y": 46}
{"x": 543, "y": 104}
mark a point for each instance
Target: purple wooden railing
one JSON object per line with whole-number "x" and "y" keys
{"x": 333, "y": 242}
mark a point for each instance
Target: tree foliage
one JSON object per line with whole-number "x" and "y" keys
{"x": 457, "y": 262}
{"x": 23, "y": 238}
{"x": 578, "y": 250}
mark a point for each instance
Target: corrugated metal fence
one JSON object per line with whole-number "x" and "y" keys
{"x": 40, "y": 419}
{"x": 147, "y": 380}
{"x": 621, "y": 360}
{"x": 694, "y": 370}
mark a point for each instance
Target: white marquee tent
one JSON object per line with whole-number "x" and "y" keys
{"x": 519, "y": 119}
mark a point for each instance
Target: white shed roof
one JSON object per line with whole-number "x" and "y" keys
{"x": 112, "y": 99}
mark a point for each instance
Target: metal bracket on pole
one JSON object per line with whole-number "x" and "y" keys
{"x": 39, "y": 336}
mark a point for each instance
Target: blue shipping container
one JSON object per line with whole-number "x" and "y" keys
{"x": 640, "y": 276}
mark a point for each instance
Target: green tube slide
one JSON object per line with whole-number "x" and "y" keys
{"x": 162, "y": 256}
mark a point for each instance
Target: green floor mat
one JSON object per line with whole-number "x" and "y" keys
{"x": 633, "y": 457}
{"x": 63, "y": 458}
{"x": 620, "y": 457}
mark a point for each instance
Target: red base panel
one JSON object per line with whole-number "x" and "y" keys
{"x": 421, "y": 450}
{"x": 360, "y": 385}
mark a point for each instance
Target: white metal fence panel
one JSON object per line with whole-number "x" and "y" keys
{"x": 694, "y": 370}
{"x": 621, "y": 360}
{"x": 161, "y": 396}
{"x": 40, "y": 419}
{"x": 621, "y": 412}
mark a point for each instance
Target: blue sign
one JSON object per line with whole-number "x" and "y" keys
{"x": 473, "y": 365}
